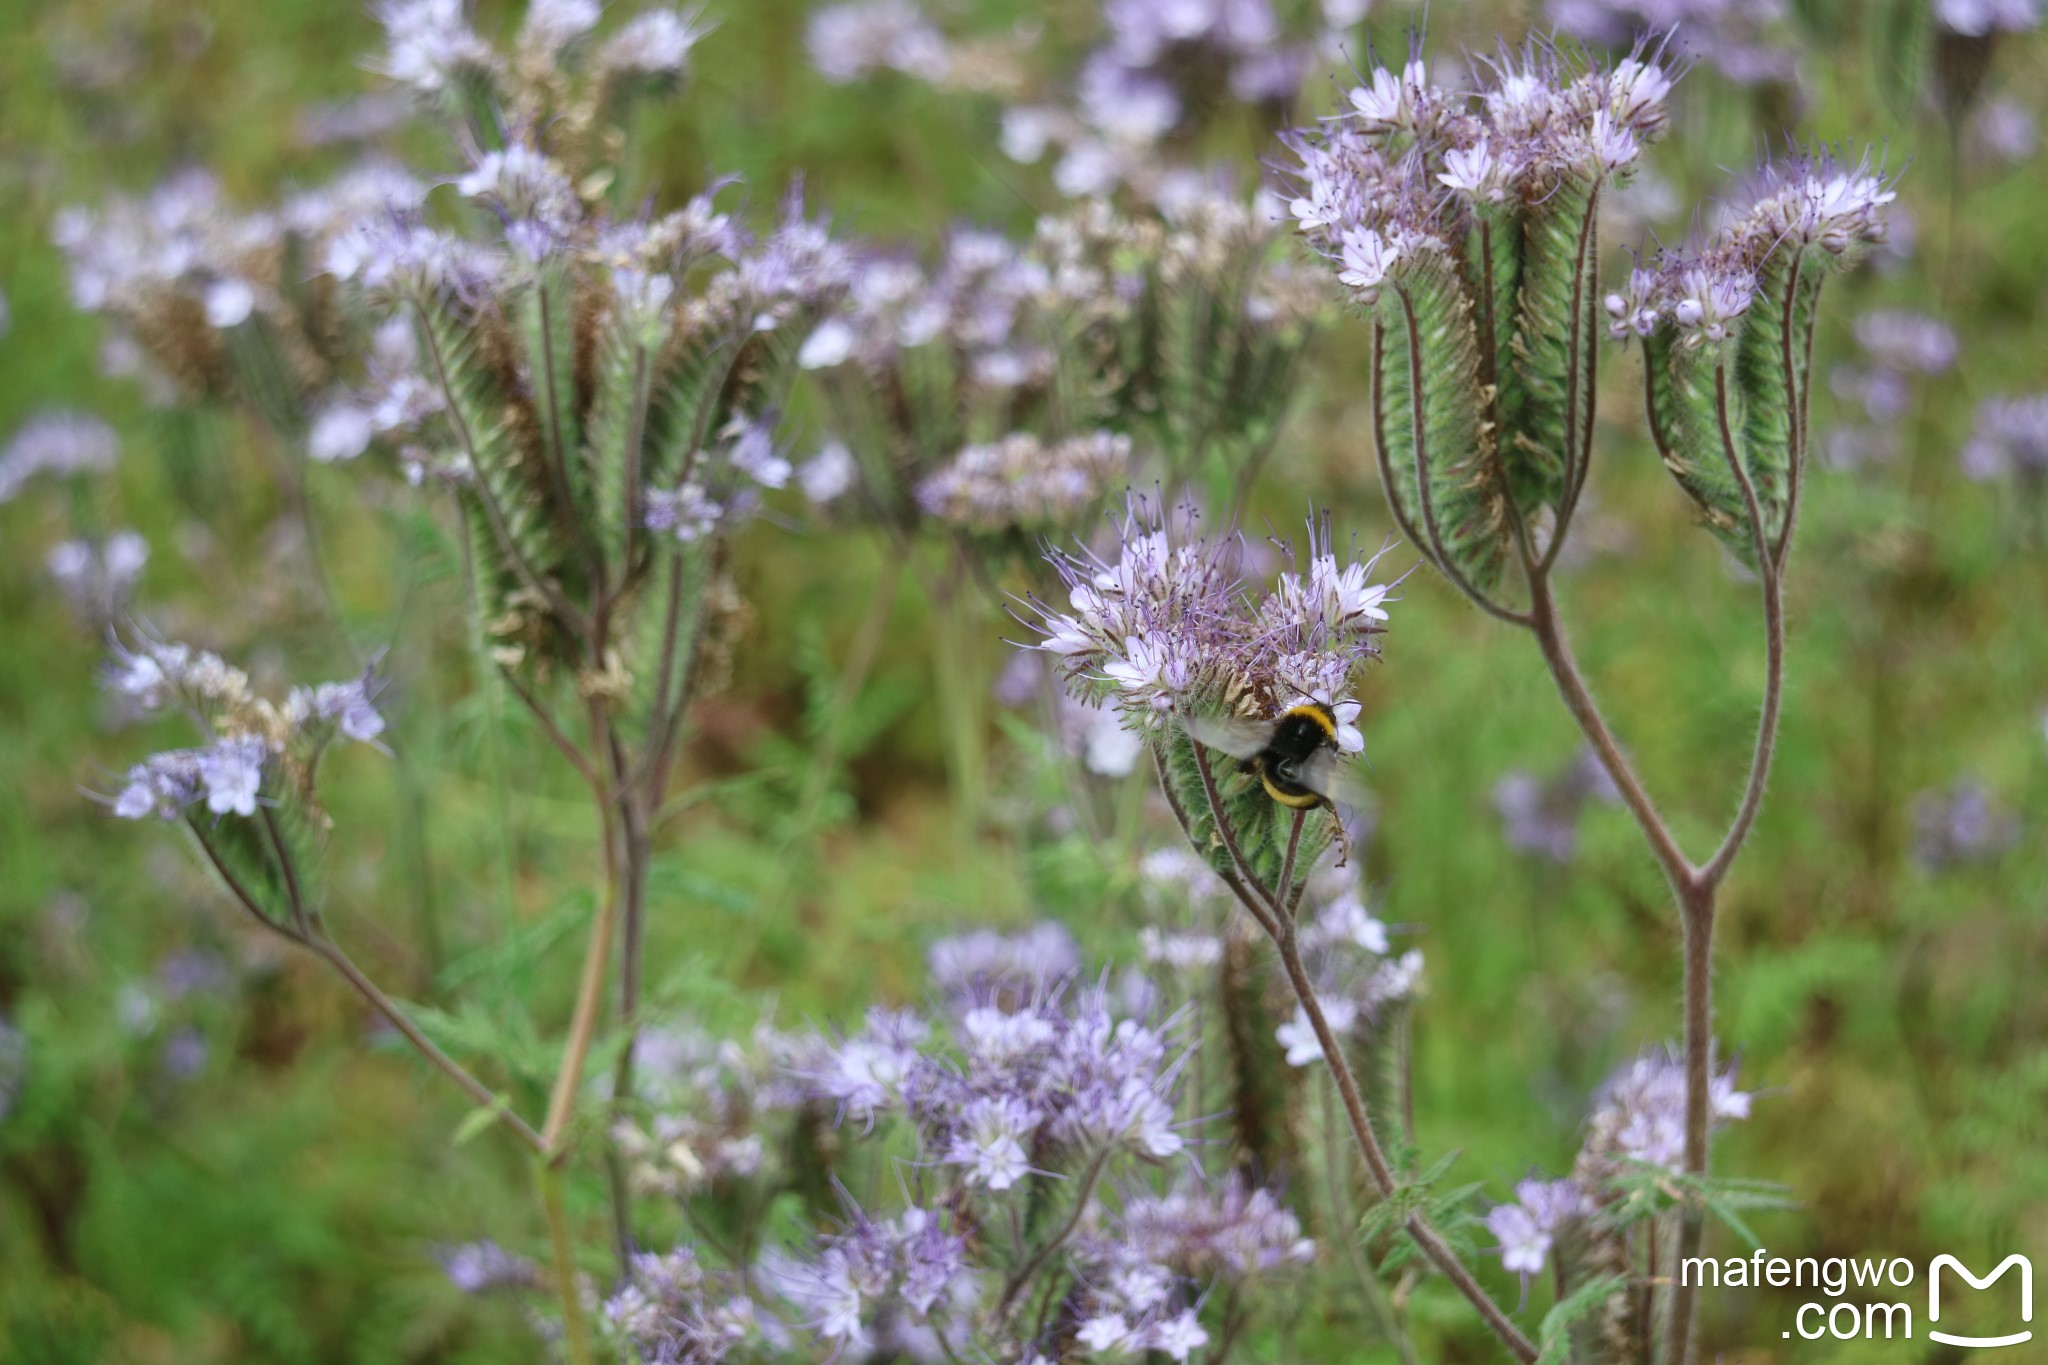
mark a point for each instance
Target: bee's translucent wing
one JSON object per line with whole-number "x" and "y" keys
{"x": 1229, "y": 734}
{"x": 1327, "y": 772}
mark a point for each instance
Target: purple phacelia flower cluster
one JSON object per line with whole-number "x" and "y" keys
{"x": 1168, "y": 626}
{"x": 2010, "y": 440}
{"x": 97, "y": 579}
{"x": 1021, "y": 483}
{"x": 1540, "y": 815}
{"x": 1526, "y": 1227}
{"x": 1395, "y": 178}
{"x": 978, "y": 300}
{"x": 849, "y": 41}
{"x": 178, "y": 270}
{"x": 59, "y": 443}
{"x": 1156, "y": 79}
{"x": 887, "y": 1282}
{"x": 1702, "y": 292}
{"x": 1960, "y": 826}
{"x": 1984, "y": 18}
{"x": 1359, "y": 979}
{"x": 983, "y": 964}
{"x": 670, "y": 1312}
{"x": 1058, "y": 1075}
{"x": 1898, "y": 349}
{"x": 1638, "y": 1121}
{"x": 1748, "y": 41}
{"x": 251, "y": 738}
{"x": 481, "y": 1267}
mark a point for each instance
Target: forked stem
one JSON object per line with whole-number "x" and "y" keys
{"x": 1273, "y": 910}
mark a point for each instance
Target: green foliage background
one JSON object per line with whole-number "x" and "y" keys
{"x": 283, "y": 1204}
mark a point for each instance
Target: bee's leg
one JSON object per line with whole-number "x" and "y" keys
{"x": 1343, "y": 839}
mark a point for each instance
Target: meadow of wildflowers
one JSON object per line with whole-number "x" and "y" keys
{"x": 785, "y": 682}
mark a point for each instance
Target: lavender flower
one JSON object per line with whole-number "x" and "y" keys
{"x": 1960, "y": 826}
{"x": 876, "y": 1270}
{"x": 1370, "y": 208}
{"x": 254, "y": 739}
{"x": 1748, "y": 40}
{"x": 348, "y": 706}
{"x": 1155, "y": 83}
{"x": 1233, "y": 1231}
{"x": 1023, "y": 484}
{"x": 2010, "y": 440}
{"x": 1187, "y": 955}
{"x": 1983, "y": 18}
{"x": 184, "y": 1054}
{"x": 1640, "y": 1113}
{"x": 192, "y": 971}
{"x": 98, "y": 580}
{"x": 826, "y": 476}
{"x": 2003, "y": 132}
{"x": 1909, "y": 342}
{"x": 1541, "y": 815}
{"x": 657, "y": 43}
{"x": 666, "y": 1311}
{"x": 1167, "y": 627}
{"x": 848, "y": 41}
{"x": 981, "y": 963}
{"x": 480, "y": 1267}
{"x": 1527, "y": 1227}
{"x": 430, "y": 45}
{"x": 1814, "y": 202}
{"x": 182, "y": 275}
{"x": 60, "y": 443}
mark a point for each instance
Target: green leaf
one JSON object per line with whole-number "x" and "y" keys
{"x": 1555, "y": 1336}
{"x": 477, "y": 1121}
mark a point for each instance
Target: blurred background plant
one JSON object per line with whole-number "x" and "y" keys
{"x": 205, "y": 1150}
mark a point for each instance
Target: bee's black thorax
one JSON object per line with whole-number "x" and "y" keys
{"x": 1296, "y": 738}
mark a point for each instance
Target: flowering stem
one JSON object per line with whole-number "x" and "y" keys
{"x": 1277, "y": 920}
{"x": 332, "y": 954}
{"x": 305, "y": 932}
{"x": 590, "y": 991}
{"x": 553, "y": 731}
{"x": 1699, "y": 1059}
{"x": 1256, "y": 898}
{"x": 1287, "y": 897}
{"x": 1425, "y": 1236}
{"x": 1564, "y": 669}
{"x": 1716, "y": 867}
{"x": 1053, "y": 1243}
{"x": 565, "y": 1265}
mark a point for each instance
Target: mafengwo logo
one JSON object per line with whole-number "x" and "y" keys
{"x": 1856, "y": 1319}
{"x": 2026, "y": 1277}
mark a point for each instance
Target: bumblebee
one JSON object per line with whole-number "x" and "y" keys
{"x": 1295, "y": 756}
